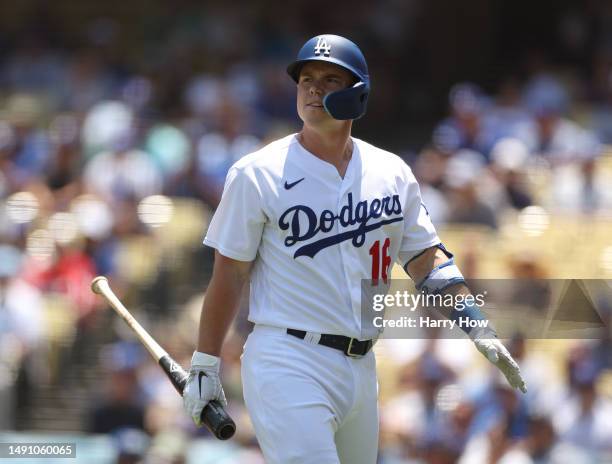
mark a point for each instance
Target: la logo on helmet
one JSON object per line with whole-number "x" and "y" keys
{"x": 322, "y": 47}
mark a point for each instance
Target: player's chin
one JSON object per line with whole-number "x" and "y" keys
{"x": 314, "y": 114}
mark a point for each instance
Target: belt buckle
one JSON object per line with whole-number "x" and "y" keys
{"x": 348, "y": 350}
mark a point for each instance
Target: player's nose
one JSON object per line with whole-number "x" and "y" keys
{"x": 315, "y": 89}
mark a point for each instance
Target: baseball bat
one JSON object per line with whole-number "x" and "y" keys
{"x": 213, "y": 415}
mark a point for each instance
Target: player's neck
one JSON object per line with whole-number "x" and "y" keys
{"x": 334, "y": 147}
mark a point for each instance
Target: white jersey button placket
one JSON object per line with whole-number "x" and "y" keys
{"x": 347, "y": 251}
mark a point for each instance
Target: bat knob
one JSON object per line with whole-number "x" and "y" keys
{"x": 96, "y": 282}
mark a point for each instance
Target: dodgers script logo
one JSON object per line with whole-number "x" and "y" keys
{"x": 349, "y": 216}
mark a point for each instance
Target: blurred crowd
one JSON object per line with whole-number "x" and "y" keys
{"x": 511, "y": 151}
{"x": 447, "y": 410}
{"x": 113, "y": 168}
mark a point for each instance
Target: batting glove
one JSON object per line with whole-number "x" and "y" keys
{"x": 203, "y": 385}
{"x": 487, "y": 343}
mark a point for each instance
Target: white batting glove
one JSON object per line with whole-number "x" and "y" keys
{"x": 487, "y": 343}
{"x": 203, "y": 385}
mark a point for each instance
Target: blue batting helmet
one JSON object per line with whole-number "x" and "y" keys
{"x": 349, "y": 103}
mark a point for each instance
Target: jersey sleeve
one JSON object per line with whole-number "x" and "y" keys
{"x": 419, "y": 231}
{"x": 237, "y": 225}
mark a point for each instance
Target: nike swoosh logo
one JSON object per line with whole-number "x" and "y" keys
{"x": 200, "y": 375}
{"x": 289, "y": 186}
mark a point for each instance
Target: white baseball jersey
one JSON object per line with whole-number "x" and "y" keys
{"x": 315, "y": 235}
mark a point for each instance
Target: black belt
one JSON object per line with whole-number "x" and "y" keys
{"x": 349, "y": 346}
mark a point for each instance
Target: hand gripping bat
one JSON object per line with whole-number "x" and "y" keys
{"x": 213, "y": 415}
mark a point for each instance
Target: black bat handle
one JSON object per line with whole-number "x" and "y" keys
{"x": 213, "y": 415}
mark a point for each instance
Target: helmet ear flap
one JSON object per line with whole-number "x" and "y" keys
{"x": 349, "y": 103}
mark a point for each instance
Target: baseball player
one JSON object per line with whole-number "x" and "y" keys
{"x": 305, "y": 219}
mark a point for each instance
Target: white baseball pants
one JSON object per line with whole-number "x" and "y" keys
{"x": 309, "y": 403}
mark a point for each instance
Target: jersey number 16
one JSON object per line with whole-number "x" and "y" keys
{"x": 380, "y": 264}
